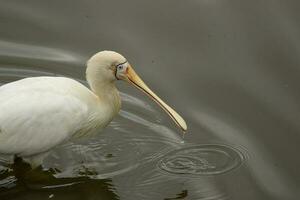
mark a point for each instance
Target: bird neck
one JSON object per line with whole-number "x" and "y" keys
{"x": 103, "y": 86}
{"x": 105, "y": 91}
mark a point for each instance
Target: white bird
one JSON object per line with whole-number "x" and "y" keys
{"x": 39, "y": 113}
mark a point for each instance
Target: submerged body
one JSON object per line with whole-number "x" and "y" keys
{"x": 37, "y": 114}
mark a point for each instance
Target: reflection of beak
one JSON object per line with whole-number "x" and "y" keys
{"x": 134, "y": 79}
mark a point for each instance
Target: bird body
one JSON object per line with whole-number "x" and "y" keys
{"x": 47, "y": 112}
{"x": 39, "y": 113}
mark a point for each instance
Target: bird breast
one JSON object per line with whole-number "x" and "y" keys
{"x": 102, "y": 110}
{"x": 40, "y": 113}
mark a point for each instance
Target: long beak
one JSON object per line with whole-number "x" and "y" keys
{"x": 134, "y": 79}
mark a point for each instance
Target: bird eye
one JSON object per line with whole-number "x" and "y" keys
{"x": 120, "y": 67}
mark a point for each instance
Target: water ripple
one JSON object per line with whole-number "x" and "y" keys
{"x": 29, "y": 51}
{"x": 103, "y": 158}
{"x": 208, "y": 159}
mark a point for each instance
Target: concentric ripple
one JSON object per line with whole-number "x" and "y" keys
{"x": 104, "y": 158}
{"x": 207, "y": 159}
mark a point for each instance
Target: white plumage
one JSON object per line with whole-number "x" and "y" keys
{"x": 37, "y": 114}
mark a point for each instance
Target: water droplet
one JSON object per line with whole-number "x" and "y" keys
{"x": 183, "y": 134}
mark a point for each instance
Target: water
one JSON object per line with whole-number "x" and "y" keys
{"x": 230, "y": 68}
{"x": 201, "y": 160}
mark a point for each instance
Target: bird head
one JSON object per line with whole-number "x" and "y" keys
{"x": 109, "y": 66}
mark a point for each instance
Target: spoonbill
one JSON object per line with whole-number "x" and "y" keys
{"x": 39, "y": 113}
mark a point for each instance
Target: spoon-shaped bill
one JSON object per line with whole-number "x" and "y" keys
{"x": 134, "y": 79}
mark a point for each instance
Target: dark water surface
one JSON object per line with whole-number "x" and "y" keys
{"x": 231, "y": 68}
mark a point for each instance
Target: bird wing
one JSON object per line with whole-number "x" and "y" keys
{"x": 37, "y": 114}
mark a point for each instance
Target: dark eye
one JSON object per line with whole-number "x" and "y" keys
{"x": 120, "y": 67}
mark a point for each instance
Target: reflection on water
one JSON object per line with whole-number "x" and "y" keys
{"x": 53, "y": 188}
{"x": 34, "y": 52}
